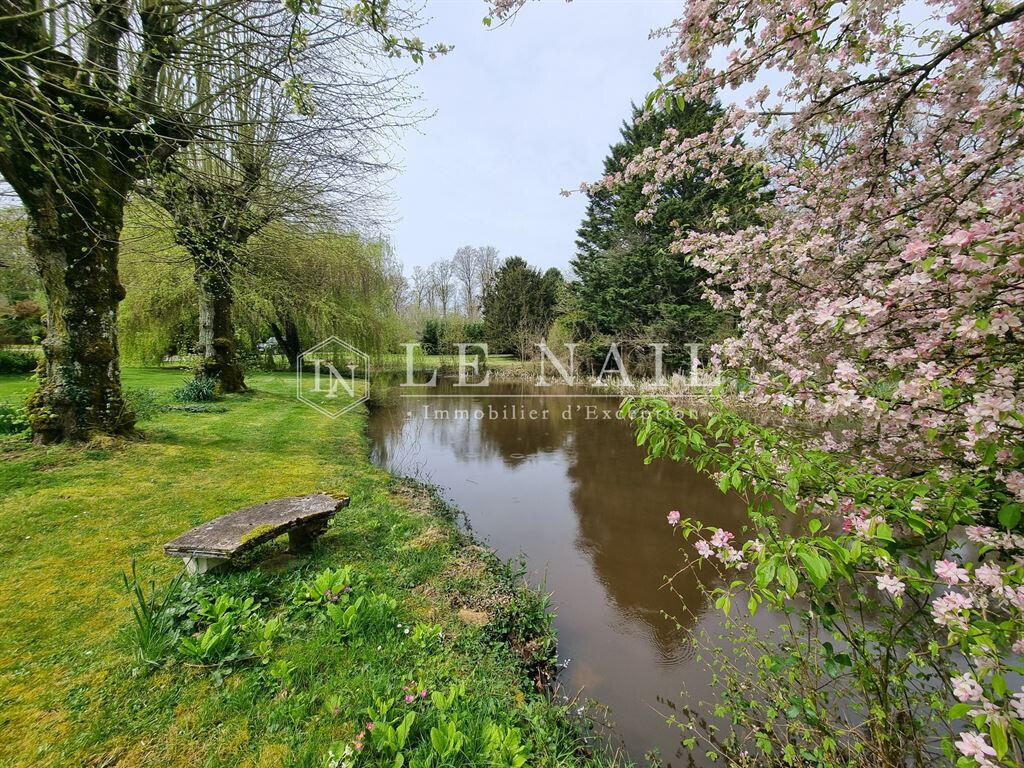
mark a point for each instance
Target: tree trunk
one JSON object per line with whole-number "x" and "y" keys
{"x": 217, "y": 327}
{"x": 287, "y": 336}
{"x": 79, "y": 390}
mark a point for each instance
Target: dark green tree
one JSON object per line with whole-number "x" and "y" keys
{"x": 519, "y": 306}
{"x": 630, "y": 285}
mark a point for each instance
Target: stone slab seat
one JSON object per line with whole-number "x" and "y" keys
{"x": 212, "y": 544}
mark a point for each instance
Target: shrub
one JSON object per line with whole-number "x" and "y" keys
{"x": 380, "y": 395}
{"x": 201, "y": 389}
{"x": 13, "y": 419}
{"x": 17, "y": 362}
{"x": 141, "y": 402}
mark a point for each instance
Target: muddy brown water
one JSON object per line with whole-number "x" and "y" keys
{"x": 556, "y": 477}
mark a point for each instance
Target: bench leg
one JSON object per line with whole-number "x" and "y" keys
{"x": 200, "y": 565}
{"x": 301, "y": 539}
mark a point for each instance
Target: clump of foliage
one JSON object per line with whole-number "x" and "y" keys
{"x": 13, "y": 419}
{"x": 441, "y": 336}
{"x": 631, "y": 285}
{"x": 17, "y": 362}
{"x": 200, "y": 389}
{"x": 143, "y": 402}
{"x": 152, "y": 633}
{"x": 519, "y": 306}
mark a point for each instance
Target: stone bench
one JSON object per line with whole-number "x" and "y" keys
{"x": 212, "y": 544}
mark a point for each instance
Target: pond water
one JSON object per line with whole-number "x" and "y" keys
{"x": 566, "y": 487}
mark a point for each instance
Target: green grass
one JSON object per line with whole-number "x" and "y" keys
{"x": 75, "y": 692}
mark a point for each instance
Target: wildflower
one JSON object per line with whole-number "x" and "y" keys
{"x": 409, "y": 698}
{"x": 966, "y": 688}
{"x": 423, "y": 693}
{"x": 1018, "y": 646}
{"x": 972, "y": 744}
{"x": 950, "y": 572}
{"x": 674, "y": 517}
{"x": 703, "y": 548}
{"x": 370, "y": 726}
{"x": 891, "y": 584}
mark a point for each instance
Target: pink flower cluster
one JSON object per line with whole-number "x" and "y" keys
{"x": 719, "y": 547}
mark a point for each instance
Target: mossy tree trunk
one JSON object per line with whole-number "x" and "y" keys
{"x": 75, "y": 135}
{"x": 213, "y": 220}
{"x": 80, "y": 385}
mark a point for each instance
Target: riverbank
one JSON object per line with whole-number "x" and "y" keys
{"x": 293, "y": 685}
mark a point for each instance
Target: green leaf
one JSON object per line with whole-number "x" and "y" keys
{"x": 765, "y": 572}
{"x": 787, "y": 578}
{"x": 1009, "y": 515}
{"x": 814, "y": 525}
{"x": 818, "y": 568}
{"x": 997, "y": 730}
{"x": 957, "y": 711}
{"x": 724, "y": 604}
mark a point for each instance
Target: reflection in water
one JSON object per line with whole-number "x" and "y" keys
{"x": 560, "y": 480}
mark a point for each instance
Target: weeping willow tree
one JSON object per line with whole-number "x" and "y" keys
{"x": 159, "y": 315}
{"x": 311, "y": 286}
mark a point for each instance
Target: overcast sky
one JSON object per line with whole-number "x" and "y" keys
{"x": 522, "y": 111}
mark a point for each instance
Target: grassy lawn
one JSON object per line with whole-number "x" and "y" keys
{"x": 291, "y": 685}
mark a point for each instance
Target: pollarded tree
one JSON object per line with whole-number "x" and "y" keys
{"x": 94, "y": 96}
{"x": 274, "y": 160}
{"x": 84, "y": 111}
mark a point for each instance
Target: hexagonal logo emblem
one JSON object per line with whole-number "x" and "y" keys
{"x": 333, "y": 377}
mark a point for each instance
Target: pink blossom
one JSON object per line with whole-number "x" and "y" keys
{"x": 915, "y": 250}
{"x": 972, "y": 744}
{"x": 966, "y": 688}
{"x": 989, "y": 574}
{"x": 1017, "y": 704}
{"x": 891, "y": 584}
{"x": 980, "y": 534}
{"x": 721, "y": 537}
{"x": 947, "y": 609}
{"x": 674, "y": 517}
{"x": 703, "y": 548}
{"x": 950, "y": 572}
